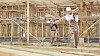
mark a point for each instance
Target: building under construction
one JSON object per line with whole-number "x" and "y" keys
{"x": 25, "y": 21}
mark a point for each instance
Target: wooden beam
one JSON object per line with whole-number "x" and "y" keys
{"x": 12, "y": 32}
{"x": 55, "y": 14}
{"x": 27, "y": 21}
{"x": 74, "y": 2}
{"x": 5, "y": 3}
{"x": 63, "y": 31}
{"x": 11, "y": 10}
{"x": 82, "y": 3}
{"x": 54, "y": 3}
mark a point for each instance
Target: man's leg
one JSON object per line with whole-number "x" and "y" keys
{"x": 72, "y": 37}
{"x": 72, "y": 40}
{"x": 53, "y": 37}
{"x": 76, "y": 39}
{"x": 76, "y": 35}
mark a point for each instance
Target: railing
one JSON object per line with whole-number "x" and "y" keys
{"x": 25, "y": 30}
{"x": 89, "y": 28}
{"x": 20, "y": 27}
{"x": 98, "y": 21}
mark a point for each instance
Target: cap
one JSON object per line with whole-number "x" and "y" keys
{"x": 68, "y": 8}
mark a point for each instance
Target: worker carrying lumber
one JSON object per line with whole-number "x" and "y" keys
{"x": 72, "y": 18}
{"x": 53, "y": 28}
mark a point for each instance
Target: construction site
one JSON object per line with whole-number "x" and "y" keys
{"x": 24, "y": 30}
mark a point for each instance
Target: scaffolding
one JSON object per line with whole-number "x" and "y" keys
{"x": 29, "y": 18}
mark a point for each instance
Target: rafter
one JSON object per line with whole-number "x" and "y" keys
{"x": 54, "y": 3}
{"x": 4, "y": 3}
{"x": 82, "y": 4}
{"x": 74, "y": 2}
{"x": 55, "y": 14}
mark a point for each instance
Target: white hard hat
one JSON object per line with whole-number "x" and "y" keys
{"x": 68, "y": 8}
{"x": 51, "y": 20}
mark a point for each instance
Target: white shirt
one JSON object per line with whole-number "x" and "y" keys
{"x": 71, "y": 17}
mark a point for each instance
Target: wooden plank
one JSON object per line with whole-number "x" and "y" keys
{"x": 11, "y": 10}
{"x": 28, "y": 21}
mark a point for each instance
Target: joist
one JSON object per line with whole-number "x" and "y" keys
{"x": 50, "y": 9}
{"x": 11, "y": 10}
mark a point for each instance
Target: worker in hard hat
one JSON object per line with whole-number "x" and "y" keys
{"x": 73, "y": 31}
{"x": 53, "y": 28}
{"x": 73, "y": 27}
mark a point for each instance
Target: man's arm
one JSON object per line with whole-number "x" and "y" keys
{"x": 50, "y": 26}
{"x": 62, "y": 18}
{"x": 57, "y": 21}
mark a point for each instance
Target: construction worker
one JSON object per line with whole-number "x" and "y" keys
{"x": 53, "y": 28}
{"x": 73, "y": 27}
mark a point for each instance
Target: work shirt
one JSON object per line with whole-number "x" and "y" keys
{"x": 71, "y": 17}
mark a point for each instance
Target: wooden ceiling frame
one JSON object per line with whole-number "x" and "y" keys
{"x": 77, "y": 2}
{"x": 54, "y": 3}
{"x": 55, "y": 14}
{"x": 74, "y": 2}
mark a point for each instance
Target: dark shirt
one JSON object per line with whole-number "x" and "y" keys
{"x": 51, "y": 26}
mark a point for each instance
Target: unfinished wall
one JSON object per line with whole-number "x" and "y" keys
{"x": 53, "y": 12}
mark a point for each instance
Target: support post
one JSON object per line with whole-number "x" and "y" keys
{"x": 11, "y": 31}
{"x": 63, "y": 30}
{"x": 42, "y": 29}
{"x": 27, "y": 21}
{"x": 18, "y": 31}
{"x": 99, "y": 33}
{"x": 88, "y": 41}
